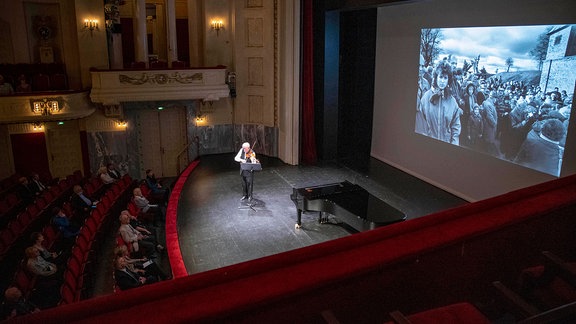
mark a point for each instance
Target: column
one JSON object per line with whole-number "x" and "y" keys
{"x": 171, "y": 32}
{"x": 140, "y": 37}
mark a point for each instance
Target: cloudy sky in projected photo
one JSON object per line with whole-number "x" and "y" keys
{"x": 494, "y": 45}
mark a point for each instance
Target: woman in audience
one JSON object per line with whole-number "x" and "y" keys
{"x": 105, "y": 177}
{"x": 144, "y": 205}
{"x": 38, "y": 265}
{"x": 48, "y": 279}
{"x": 132, "y": 236}
{"x": 142, "y": 266}
{"x": 126, "y": 279}
{"x": 37, "y": 240}
{"x": 23, "y": 85}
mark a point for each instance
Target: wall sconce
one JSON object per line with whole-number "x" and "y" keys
{"x": 37, "y": 126}
{"x": 121, "y": 123}
{"x": 200, "y": 119}
{"x": 217, "y": 24}
{"x": 46, "y": 107}
{"x": 91, "y": 25}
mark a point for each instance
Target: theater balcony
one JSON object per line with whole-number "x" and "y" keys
{"x": 39, "y": 107}
{"x": 111, "y": 87}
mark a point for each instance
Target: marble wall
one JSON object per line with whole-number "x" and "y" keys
{"x": 229, "y": 138}
{"x": 109, "y": 147}
{"x": 122, "y": 147}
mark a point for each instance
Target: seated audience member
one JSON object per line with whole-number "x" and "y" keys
{"x": 144, "y": 205}
{"x": 126, "y": 279}
{"x": 105, "y": 177}
{"x": 61, "y": 221}
{"x": 144, "y": 229}
{"x": 15, "y": 304}
{"x": 142, "y": 266}
{"x": 48, "y": 278}
{"x": 112, "y": 172}
{"x": 37, "y": 242}
{"x": 5, "y": 87}
{"x": 138, "y": 240}
{"x": 81, "y": 205}
{"x": 37, "y": 185}
{"x": 36, "y": 264}
{"x": 23, "y": 85}
{"x": 25, "y": 190}
{"x": 155, "y": 186}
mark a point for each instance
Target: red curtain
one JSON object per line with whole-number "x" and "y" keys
{"x": 30, "y": 153}
{"x": 308, "y": 149}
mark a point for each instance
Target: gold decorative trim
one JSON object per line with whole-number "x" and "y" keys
{"x": 162, "y": 78}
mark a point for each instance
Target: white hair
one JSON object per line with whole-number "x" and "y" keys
{"x": 246, "y": 144}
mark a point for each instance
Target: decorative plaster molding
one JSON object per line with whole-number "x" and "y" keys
{"x": 115, "y": 87}
{"x": 17, "y": 109}
{"x": 162, "y": 78}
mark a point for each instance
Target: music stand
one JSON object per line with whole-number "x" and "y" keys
{"x": 250, "y": 167}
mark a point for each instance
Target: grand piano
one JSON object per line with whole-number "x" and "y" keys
{"x": 348, "y": 202}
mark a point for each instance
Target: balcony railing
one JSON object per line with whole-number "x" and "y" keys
{"x": 111, "y": 87}
{"x": 45, "y": 106}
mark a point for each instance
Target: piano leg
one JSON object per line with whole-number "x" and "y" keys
{"x": 323, "y": 217}
{"x": 299, "y": 222}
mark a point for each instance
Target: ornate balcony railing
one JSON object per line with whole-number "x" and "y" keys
{"x": 111, "y": 87}
{"x": 38, "y": 107}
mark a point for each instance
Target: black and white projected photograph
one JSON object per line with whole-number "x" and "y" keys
{"x": 502, "y": 91}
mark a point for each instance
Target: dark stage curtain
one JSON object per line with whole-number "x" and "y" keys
{"x": 308, "y": 147}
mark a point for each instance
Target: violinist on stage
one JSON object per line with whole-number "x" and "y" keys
{"x": 246, "y": 154}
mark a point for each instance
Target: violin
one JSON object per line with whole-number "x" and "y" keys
{"x": 251, "y": 155}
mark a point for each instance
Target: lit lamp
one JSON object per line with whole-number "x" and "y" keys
{"x": 121, "y": 123}
{"x": 200, "y": 119}
{"x": 217, "y": 24}
{"x": 91, "y": 25}
{"x": 46, "y": 107}
{"x": 37, "y": 126}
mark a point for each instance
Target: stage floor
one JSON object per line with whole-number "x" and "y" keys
{"x": 215, "y": 229}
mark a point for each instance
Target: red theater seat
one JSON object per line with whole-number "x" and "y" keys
{"x": 40, "y": 82}
{"x": 451, "y": 314}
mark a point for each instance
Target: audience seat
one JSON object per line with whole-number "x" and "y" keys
{"x": 138, "y": 65}
{"x": 24, "y": 281}
{"x": 68, "y": 294}
{"x": 55, "y": 191}
{"x": 50, "y": 236}
{"x": 455, "y": 313}
{"x": 120, "y": 242}
{"x": 552, "y": 284}
{"x": 12, "y": 199}
{"x": 58, "y": 81}
{"x": 7, "y": 238}
{"x": 48, "y": 196}
{"x": 41, "y": 203}
{"x": 543, "y": 290}
{"x": 158, "y": 65}
{"x": 84, "y": 241}
{"x": 40, "y": 82}
{"x": 179, "y": 64}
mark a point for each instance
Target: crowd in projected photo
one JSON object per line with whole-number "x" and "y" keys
{"x": 509, "y": 98}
